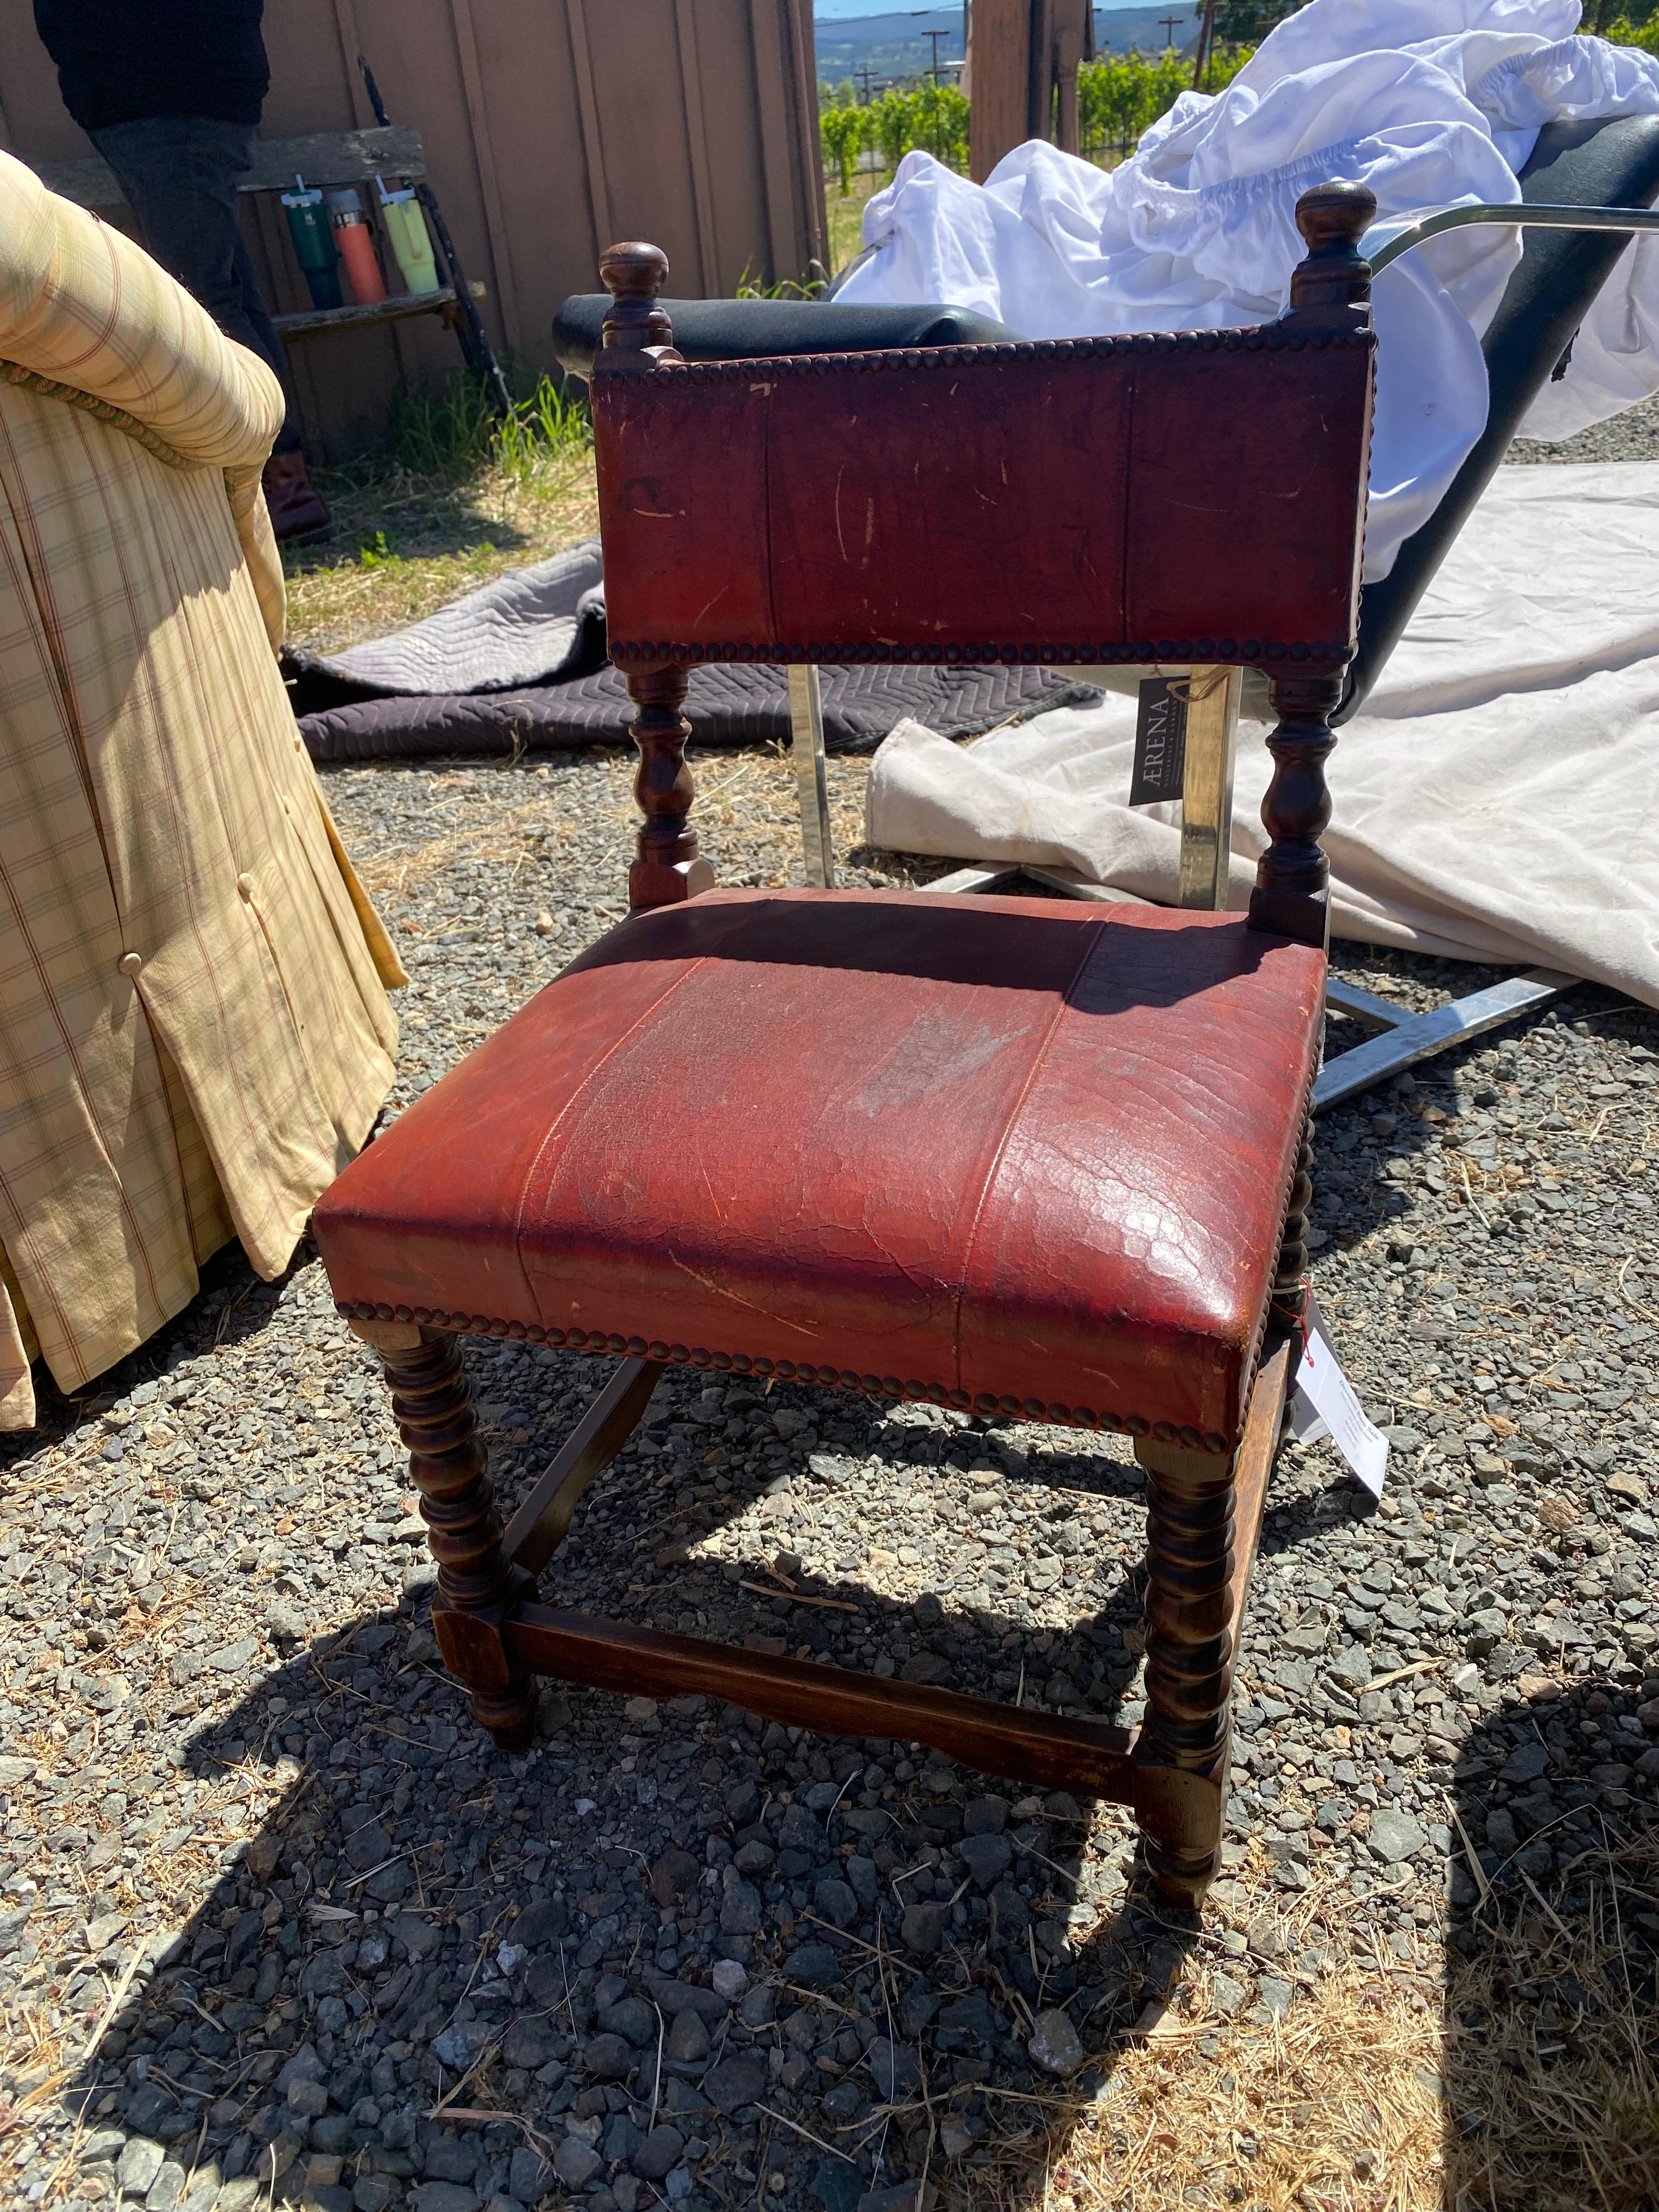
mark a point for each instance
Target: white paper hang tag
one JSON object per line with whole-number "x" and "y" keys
{"x": 1308, "y": 1425}
{"x": 1325, "y": 1405}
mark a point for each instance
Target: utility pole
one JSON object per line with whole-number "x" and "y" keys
{"x": 1171, "y": 24}
{"x": 1206, "y": 44}
{"x": 933, "y": 67}
{"x": 865, "y": 72}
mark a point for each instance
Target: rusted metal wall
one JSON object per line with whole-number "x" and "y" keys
{"x": 550, "y": 127}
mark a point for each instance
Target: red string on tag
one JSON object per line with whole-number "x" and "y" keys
{"x": 1298, "y": 1322}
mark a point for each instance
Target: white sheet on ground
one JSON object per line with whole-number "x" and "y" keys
{"x": 1430, "y": 102}
{"x": 1497, "y": 799}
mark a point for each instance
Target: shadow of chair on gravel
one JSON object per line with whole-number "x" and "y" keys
{"x": 281, "y": 1976}
{"x": 1550, "y": 2068}
{"x": 331, "y": 1754}
{"x": 317, "y": 1956}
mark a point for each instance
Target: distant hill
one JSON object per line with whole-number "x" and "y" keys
{"x": 1128, "y": 30}
{"x": 895, "y": 45}
{"x": 888, "y": 46}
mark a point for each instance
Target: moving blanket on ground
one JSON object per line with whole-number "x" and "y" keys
{"x": 520, "y": 665}
{"x": 1430, "y": 102}
{"x": 1497, "y": 799}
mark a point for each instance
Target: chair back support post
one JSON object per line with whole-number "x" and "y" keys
{"x": 1330, "y": 290}
{"x": 1206, "y": 786}
{"x": 812, "y": 775}
{"x": 667, "y": 866}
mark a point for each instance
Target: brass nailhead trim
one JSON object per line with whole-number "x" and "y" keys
{"x": 787, "y": 1371}
{"x": 1249, "y": 652}
{"x": 1259, "y": 337}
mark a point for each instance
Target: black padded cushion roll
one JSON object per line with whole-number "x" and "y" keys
{"x": 746, "y": 329}
{"x": 1560, "y": 271}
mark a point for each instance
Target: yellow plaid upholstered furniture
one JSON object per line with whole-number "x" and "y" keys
{"x": 195, "y": 1035}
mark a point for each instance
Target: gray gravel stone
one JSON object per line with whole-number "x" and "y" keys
{"x": 659, "y": 2152}
{"x": 443, "y": 2196}
{"x": 1055, "y": 2043}
{"x": 1394, "y": 1835}
{"x": 139, "y": 2165}
{"x": 735, "y": 2081}
{"x": 577, "y": 2163}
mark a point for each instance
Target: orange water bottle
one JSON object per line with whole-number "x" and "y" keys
{"x": 356, "y": 247}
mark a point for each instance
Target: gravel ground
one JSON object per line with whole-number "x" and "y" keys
{"x": 1632, "y": 436}
{"x": 266, "y": 1900}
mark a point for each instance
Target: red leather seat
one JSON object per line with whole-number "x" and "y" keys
{"x": 992, "y": 1152}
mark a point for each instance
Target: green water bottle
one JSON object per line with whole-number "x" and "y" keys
{"x": 405, "y": 226}
{"x": 313, "y": 244}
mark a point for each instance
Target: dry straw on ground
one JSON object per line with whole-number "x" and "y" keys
{"x": 1512, "y": 2070}
{"x": 404, "y": 545}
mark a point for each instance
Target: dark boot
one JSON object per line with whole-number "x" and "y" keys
{"x": 297, "y": 508}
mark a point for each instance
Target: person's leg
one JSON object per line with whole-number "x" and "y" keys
{"x": 180, "y": 174}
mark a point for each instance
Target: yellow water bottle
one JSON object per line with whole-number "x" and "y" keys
{"x": 405, "y": 225}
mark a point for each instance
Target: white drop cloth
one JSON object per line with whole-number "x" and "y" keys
{"x": 1430, "y": 102}
{"x": 1498, "y": 798}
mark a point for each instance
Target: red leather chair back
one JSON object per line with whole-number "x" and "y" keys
{"x": 1190, "y": 498}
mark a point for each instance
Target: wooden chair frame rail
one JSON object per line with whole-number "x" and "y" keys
{"x": 495, "y": 1636}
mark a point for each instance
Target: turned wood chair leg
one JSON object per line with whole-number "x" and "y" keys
{"x": 1189, "y": 1653}
{"x": 432, "y": 1402}
{"x": 1193, "y": 1601}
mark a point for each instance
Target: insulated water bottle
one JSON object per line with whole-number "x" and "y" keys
{"x": 405, "y": 226}
{"x": 355, "y": 247}
{"x": 313, "y": 244}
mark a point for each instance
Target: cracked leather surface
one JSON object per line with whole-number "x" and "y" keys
{"x": 997, "y": 1144}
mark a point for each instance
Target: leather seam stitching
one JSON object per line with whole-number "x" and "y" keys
{"x": 641, "y": 1019}
{"x": 1094, "y": 938}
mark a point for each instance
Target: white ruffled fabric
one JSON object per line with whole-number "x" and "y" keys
{"x": 1493, "y": 800}
{"x": 1430, "y": 102}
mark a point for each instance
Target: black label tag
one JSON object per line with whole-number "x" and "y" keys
{"x": 1160, "y": 742}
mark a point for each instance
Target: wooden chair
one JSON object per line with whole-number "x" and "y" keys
{"x": 1013, "y": 1156}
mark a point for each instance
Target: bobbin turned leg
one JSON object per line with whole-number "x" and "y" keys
{"x": 432, "y": 1402}
{"x": 1189, "y": 1651}
{"x": 668, "y": 868}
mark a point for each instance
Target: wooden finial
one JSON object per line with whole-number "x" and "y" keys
{"x": 1331, "y": 290}
{"x": 634, "y": 273}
